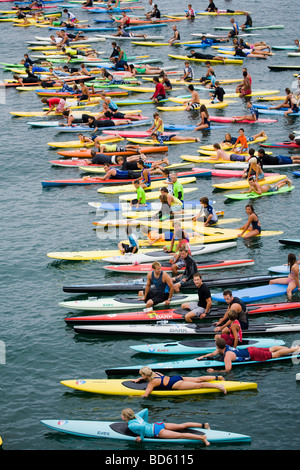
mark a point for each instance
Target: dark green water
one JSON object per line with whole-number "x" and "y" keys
{"x": 41, "y": 350}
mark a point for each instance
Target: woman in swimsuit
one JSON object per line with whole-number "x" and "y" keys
{"x": 293, "y": 278}
{"x": 253, "y": 224}
{"x": 176, "y": 382}
{"x": 205, "y": 121}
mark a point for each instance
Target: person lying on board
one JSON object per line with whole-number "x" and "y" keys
{"x": 231, "y": 354}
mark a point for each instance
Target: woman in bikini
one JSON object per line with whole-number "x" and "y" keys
{"x": 293, "y": 278}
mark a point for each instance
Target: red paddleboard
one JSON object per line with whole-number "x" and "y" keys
{"x": 174, "y": 314}
{"x": 78, "y": 162}
{"x": 86, "y": 153}
{"x": 96, "y": 180}
{"x": 230, "y": 173}
{"x": 245, "y": 121}
{"x": 167, "y": 267}
{"x": 287, "y": 145}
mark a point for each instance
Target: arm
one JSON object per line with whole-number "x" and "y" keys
{"x": 148, "y": 286}
{"x": 168, "y": 279}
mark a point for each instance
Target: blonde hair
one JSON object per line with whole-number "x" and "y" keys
{"x": 147, "y": 372}
{"x": 128, "y": 414}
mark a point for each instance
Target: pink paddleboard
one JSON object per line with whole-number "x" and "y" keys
{"x": 245, "y": 121}
{"x": 134, "y": 133}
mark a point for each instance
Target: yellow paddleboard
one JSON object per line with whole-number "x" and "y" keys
{"x": 120, "y": 387}
{"x": 244, "y": 184}
{"x": 79, "y": 144}
{"x": 212, "y": 61}
{"x": 132, "y": 188}
{"x": 211, "y": 231}
{"x": 86, "y": 255}
{"x": 229, "y": 146}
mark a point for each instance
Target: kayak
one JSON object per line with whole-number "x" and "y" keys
{"x": 140, "y": 284}
{"x": 160, "y": 255}
{"x": 191, "y": 364}
{"x": 252, "y": 195}
{"x": 256, "y": 293}
{"x": 212, "y": 61}
{"x": 120, "y": 431}
{"x": 132, "y": 188}
{"x": 200, "y": 346}
{"x": 290, "y": 241}
{"x": 166, "y": 267}
{"x": 242, "y": 184}
{"x": 180, "y": 329}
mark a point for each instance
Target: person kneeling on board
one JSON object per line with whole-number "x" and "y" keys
{"x": 234, "y": 303}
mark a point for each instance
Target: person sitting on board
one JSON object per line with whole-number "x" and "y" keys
{"x": 232, "y": 334}
{"x": 209, "y": 79}
{"x": 252, "y": 227}
{"x": 292, "y": 280}
{"x": 160, "y": 92}
{"x": 159, "y": 287}
{"x": 235, "y": 29}
{"x": 207, "y": 213}
{"x": 236, "y": 304}
{"x": 201, "y": 308}
{"x": 188, "y": 72}
{"x": 132, "y": 246}
{"x": 190, "y": 13}
{"x": 247, "y": 117}
{"x": 218, "y": 93}
{"x": 255, "y": 167}
{"x": 205, "y": 120}
{"x": 181, "y": 238}
{"x": 248, "y": 21}
{"x": 138, "y": 424}
{"x": 231, "y": 354}
{"x": 175, "y": 203}
{"x": 185, "y": 279}
{"x": 140, "y": 199}
{"x": 194, "y": 103}
{"x": 176, "y": 35}
{"x": 158, "y": 381}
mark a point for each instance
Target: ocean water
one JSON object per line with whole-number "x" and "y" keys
{"x": 39, "y": 350}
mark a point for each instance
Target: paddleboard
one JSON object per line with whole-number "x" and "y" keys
{"x": 166, "y": 267}
{"x": 290, "y": 241}
{"x": 153, "y": 194}
{"x": 160, "y": 255}
{"x": 244, "y": 184}
{"x": 192, "y": 364}
{"x": 253, "y": 294}
{"x": 199, "y": 346}
{"x": 131, "y": 188}
{"x": 252, "y": 195}
{"x": 212, "y": 61}
{"x": 129, "y": 388}
{"x": 120, "y": 431}
{"x": 120, "y": 303}
{"x": 281, "y": 269}
{"x": 180, "y": 329}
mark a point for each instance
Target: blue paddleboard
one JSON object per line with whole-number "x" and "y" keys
{"x": 255, "y": 293}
